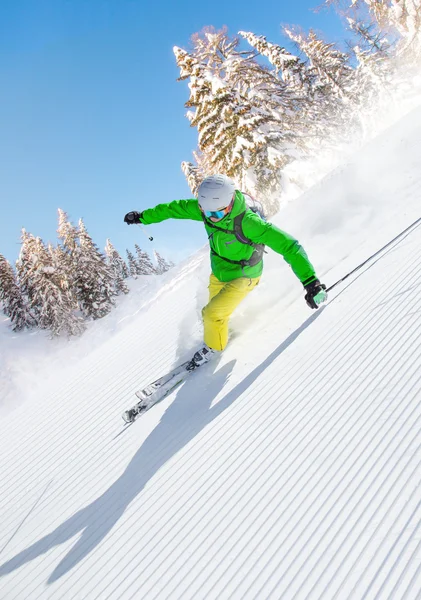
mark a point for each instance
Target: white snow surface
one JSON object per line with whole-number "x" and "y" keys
{"x": 289, "y": 468}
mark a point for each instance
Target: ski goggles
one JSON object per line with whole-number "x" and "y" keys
{"x": 218, "y": 214}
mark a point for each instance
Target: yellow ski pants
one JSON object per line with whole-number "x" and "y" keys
{"x": 224, "y": 297}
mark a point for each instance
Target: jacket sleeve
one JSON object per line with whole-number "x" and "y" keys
{"x": 178, "y": 209}
{"x": 262, "y": 232}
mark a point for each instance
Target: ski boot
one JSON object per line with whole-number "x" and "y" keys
{"x": 129, "y": 416}
{"x": 200, "y": 358}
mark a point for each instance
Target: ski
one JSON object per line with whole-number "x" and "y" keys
{"x": 156, "y": 392}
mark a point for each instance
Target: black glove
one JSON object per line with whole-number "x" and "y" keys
{"x": 315, "y": 293}
{"x": 132, "y": 217}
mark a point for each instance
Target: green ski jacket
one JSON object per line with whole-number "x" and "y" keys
{"x": 226, "y": 245}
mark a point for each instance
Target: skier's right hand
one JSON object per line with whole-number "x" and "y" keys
{"x": 133, "y": 217}
{"x": 315, "y": 294}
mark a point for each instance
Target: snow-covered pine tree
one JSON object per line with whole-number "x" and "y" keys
{"x": 302, "y": 83}
{"x": 67, "y": 232}
{"x": 134, "y": 267}
{"x": 24, "y": 264}
{"x": 388, "y": 17}
{"x": 379, "y": 9}
{"x": 94, "y": 279}
{"x": 405, "y": 16}
{"x": 247, "y": 120}
{"x": 216, "y": 113}
{"x": 162, "y": 265}
{"x": 292, "y": 70}
{"x": 119, "y": 268}
{"x": 63, "y": 262}
{"x": 55, "y": 305}
{"x": 334, "y": 89}
{"x": 67, "y": 254}
{"x": 14, "y": 304}
{"x": 144, "y": 261}
{"x": 372, "y": 41}
{"x": 331, "y": 65}
{"x": 375, "y": 70}
{"x": 193, "y": 174}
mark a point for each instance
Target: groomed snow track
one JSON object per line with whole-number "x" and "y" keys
{"x": 288, "y": 470}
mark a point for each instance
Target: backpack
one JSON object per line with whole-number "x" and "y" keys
{"x": 259, "y": 249}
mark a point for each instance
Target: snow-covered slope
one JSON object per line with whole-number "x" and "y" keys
{"x": 288, "y": 469}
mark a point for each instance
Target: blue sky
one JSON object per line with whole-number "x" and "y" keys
{"x": 92, "y": 119}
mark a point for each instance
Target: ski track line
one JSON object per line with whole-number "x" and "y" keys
{"x": 295, "y": 497}
{"x": 255, "y": 524}
{"x": 322, "y": 572}
{"x": 235, "y": 472}
{"x": 408, "y": 592}
{"x": 395, "y": 544}
{"x": 412, "y": 498}
{"x": 315, "y": 423}
{"x": 45, "y": 408}
{"x": 136, "y": 334}
{"x": 376, "y": 530}
{"x": 407, "y": 563}
{"x": 44, "y": 449}
{"x": 260, "y": 590}
{"x": 345, "y": 540}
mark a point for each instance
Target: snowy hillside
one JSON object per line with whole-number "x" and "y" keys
{"x": 288, "y": 469}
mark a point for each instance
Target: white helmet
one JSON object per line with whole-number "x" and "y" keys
{"x": 215, "y": 192}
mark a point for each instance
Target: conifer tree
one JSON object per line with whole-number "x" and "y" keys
{"x": 331, "y": 65}
{"x": 54, "y": 304}
{"x": 24, "y": 265}
{"x": 94, "y": 278}
{"x": 119, "y": 268}
{"x": 373, "y": 76}
{"x": 247, "y": 119}
{"x": 162, "y": 265}
{"x": 14, "y": 303}
{"x": 134, "y": 267}
{"x": 379, "y": 9}
{"x": 67, "y": 255}
{"x": 335, "y": 94}
{"x": 216, "y": 114}
{"x": 309, "y": 107}
{"x": 292, "y": 70}
{"x": 405, "y": 16}
{"x": 371, "y": 40}
{"x": 193, "y": 174}
{"x": 67, "y": 232}
{"x": 144, "y": 262}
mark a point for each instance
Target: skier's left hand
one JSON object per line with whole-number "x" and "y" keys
{"x": 315, "y": 294}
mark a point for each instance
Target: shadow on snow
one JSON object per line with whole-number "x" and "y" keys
{"x": 189, "y": 413}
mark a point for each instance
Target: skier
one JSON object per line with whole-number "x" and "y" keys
{"x": 237, "y": 237}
